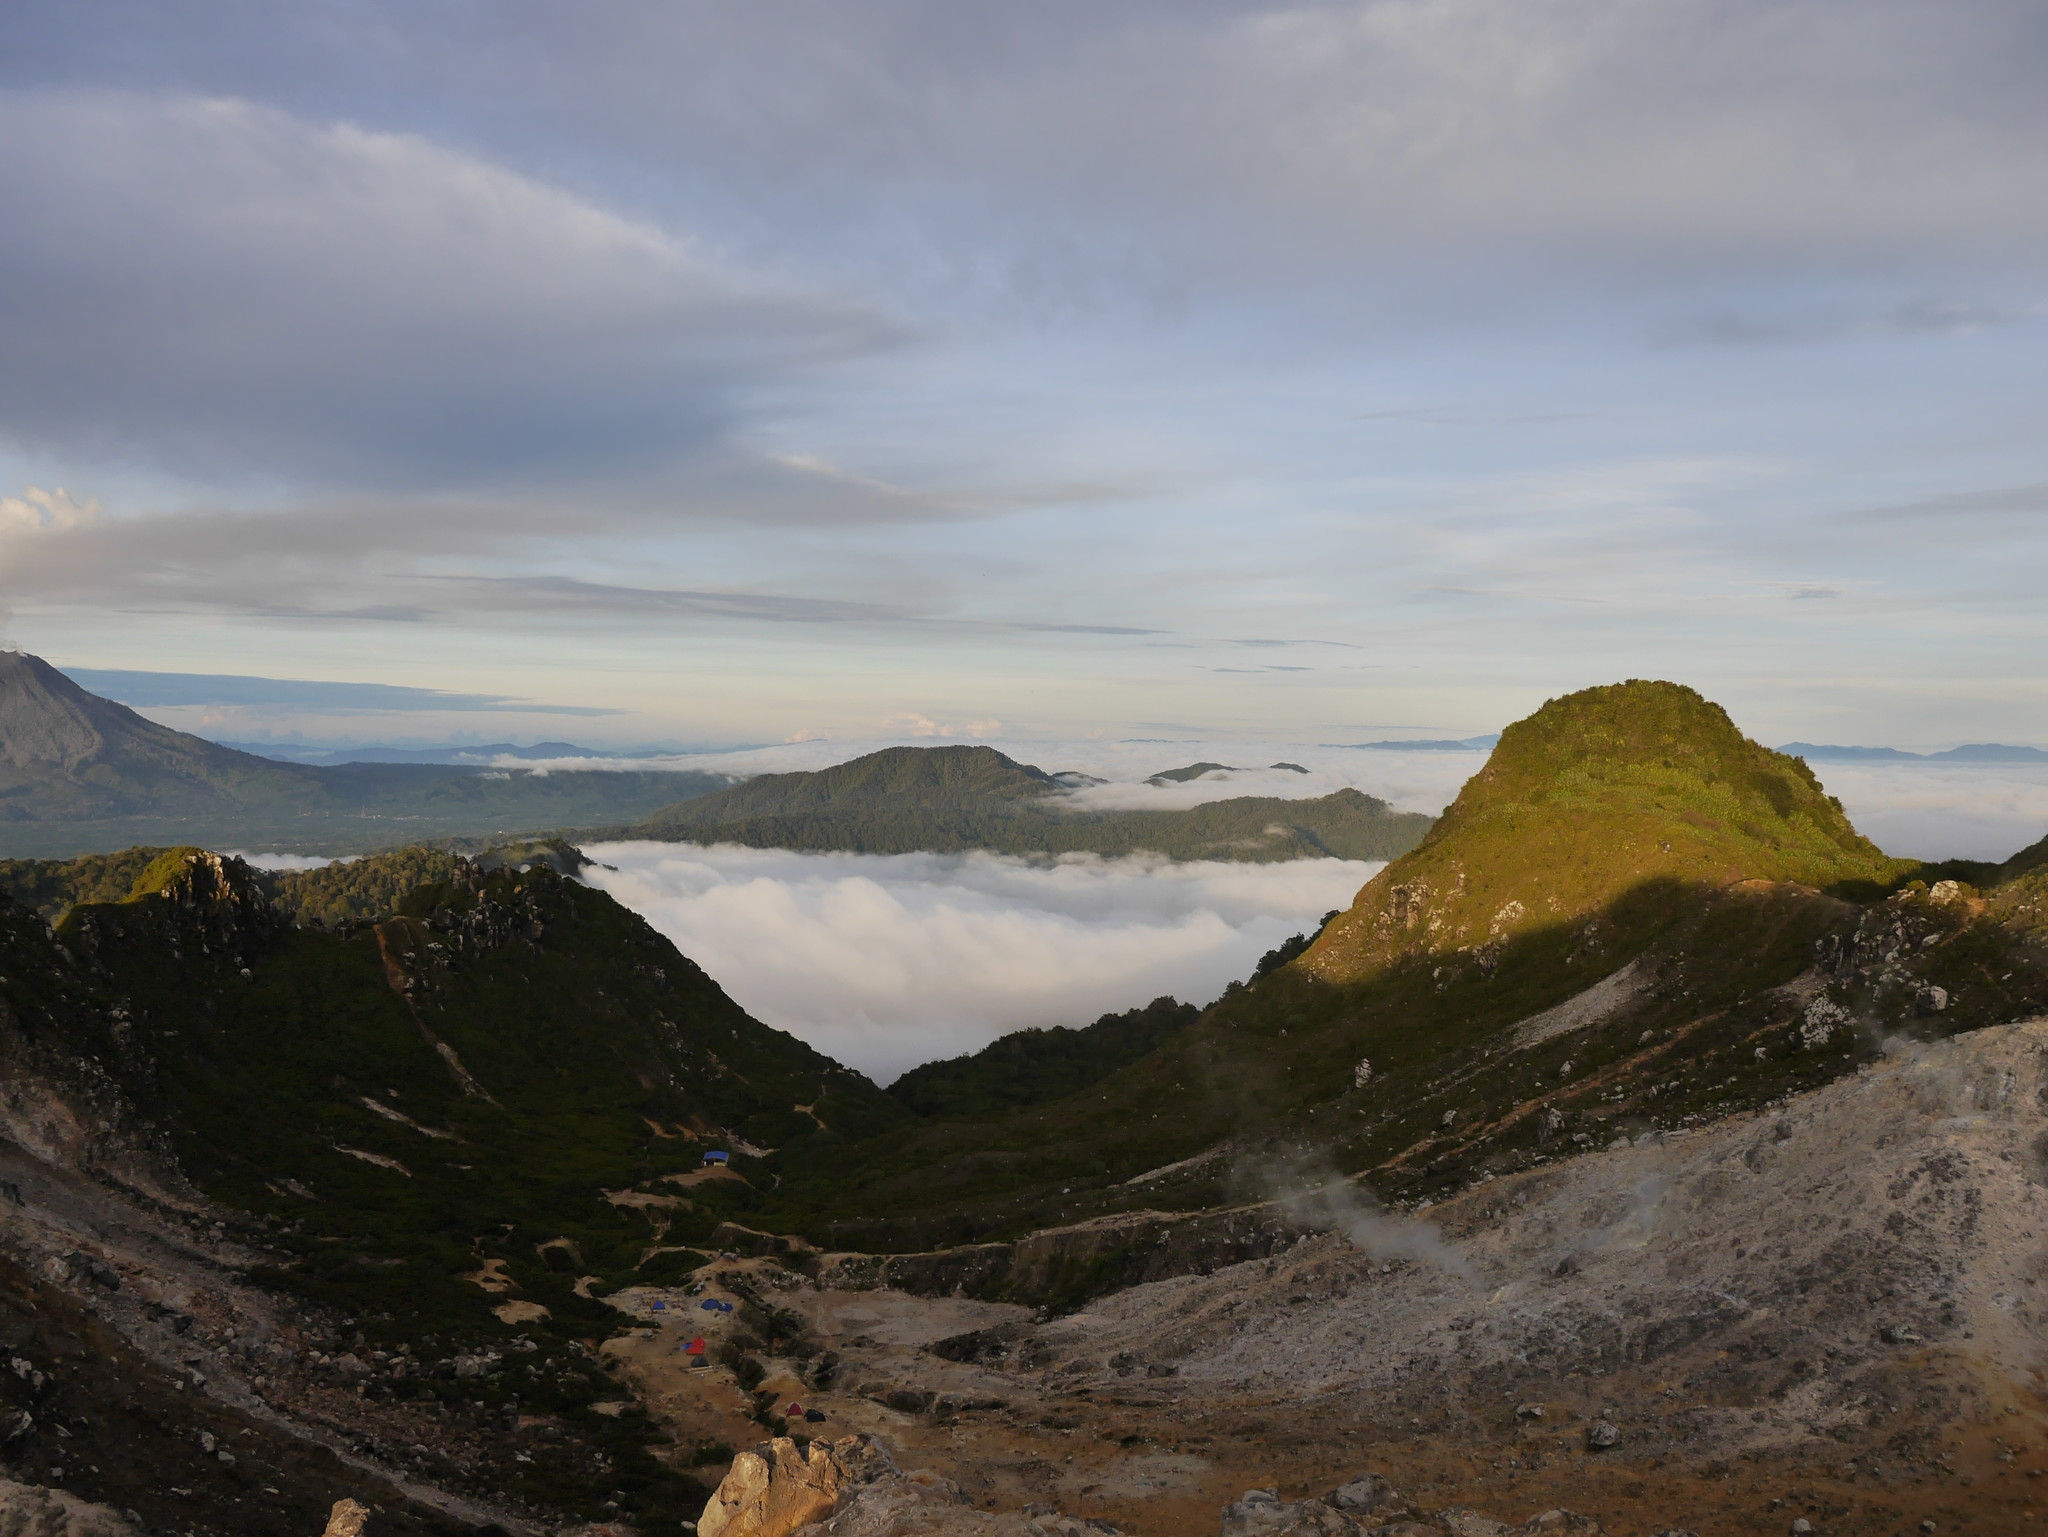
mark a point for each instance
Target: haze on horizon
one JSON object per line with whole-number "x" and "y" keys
{"x": 630, "y": 372}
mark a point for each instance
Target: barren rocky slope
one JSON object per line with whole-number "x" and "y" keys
{"x": 1832, "y": 1309}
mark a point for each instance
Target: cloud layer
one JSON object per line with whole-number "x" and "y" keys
{"x": 888, "y": 961}
{"x": 165, "y": 690}
{"x": 1944, "y": 811}
{"x": 357, "y": 307}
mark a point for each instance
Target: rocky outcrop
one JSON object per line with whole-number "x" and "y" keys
{"x": 852, "y": 1488}
{"x": 1065, "y": 1265}
{"x": 779, "y": 1487}
{"x": 926, "y": 1505}
{"x": 28, "y": 1510}
{"x": 1262, "y": 1513}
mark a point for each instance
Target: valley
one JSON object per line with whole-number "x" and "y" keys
{"x": 1643, "y": 1143}
{"x": 901, "y": 768}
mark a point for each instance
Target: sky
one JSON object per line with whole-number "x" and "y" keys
{"x": 710, "y": 374}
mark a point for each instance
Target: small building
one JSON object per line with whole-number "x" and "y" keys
{"x": 717, "y": 1157}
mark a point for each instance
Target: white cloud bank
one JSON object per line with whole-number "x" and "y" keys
{"x": 886, "y": 961}
{"x": 1943, "y": 810}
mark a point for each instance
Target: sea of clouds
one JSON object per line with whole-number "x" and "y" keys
{"x": 1943, "y": 810}
{"x": 886, "y": 961}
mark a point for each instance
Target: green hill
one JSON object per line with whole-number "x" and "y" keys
{"x": 1593, "y": 796}
{"x": 896, "y": 779}
{"x": 951, "y": 799}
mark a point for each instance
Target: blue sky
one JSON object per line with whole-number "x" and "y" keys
{"x": 1284, "y": 371}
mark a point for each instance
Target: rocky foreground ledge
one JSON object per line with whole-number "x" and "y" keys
{"x": 853, "y": 1487}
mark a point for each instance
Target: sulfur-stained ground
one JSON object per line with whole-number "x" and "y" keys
{"x": 1835, "y": 1308}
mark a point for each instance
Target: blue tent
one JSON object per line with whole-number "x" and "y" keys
{"x": 717, "y": 1155}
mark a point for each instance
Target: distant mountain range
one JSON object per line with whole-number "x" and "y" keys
{"x": 950, "y": 799}
{"x": 461, "y": 754}
{"x": 1427, "y": 744}
{"x": 1975, "y": 752}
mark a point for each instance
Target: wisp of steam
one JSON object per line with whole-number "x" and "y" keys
{"x": 1323, "y": 1199}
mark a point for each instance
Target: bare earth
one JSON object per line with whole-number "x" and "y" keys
{"x": 1836, "y": 1309}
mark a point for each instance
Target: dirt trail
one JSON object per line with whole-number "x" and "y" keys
{"x": 401, "y": 984}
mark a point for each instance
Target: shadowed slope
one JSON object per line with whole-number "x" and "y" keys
{"x": 447, "y": 1126}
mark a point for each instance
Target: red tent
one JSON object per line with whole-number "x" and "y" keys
{"x": 695, "y": 1347}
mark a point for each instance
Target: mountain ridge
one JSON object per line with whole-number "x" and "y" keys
{"x": 955, "y": 799}
{"x": 433, "y": 1126}
{"x": 1969, "y": 752}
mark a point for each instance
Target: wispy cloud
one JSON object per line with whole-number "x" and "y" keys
{"x": 2024, "y": 506}
{"x": 150, "y": 690}
{"x": 567, "y": 593}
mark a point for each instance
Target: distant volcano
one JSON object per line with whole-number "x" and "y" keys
{"x": 79, "y": 773}
{"x": 66, "y": 754}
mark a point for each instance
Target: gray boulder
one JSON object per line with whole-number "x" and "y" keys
{"x": 1262, "y": 1513}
